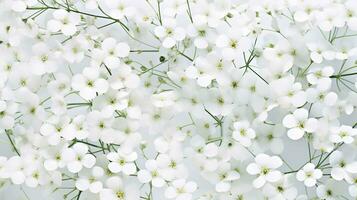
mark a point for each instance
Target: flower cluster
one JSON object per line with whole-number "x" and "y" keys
{"x": 178, "y": 99}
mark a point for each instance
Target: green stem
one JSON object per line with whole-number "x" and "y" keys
{"x": 342, "y": 75}
{"x": 8, "y": 133}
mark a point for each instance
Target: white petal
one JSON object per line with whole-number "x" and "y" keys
{"x": 309, "y": 182}
{"x": 338, "y": 173}
{"x": 114, "y": 167}
{"x": 259, "y": 182}
{"x": 253, "y": 169}
{"x": 330, "y": 99}
{"x": 82, "y": 184}
{"x": 88, "y": 161}
{"x": 273, "y": 176}
{"x": 223, "y": 186}
{"x": 301, "y": 114}
{"x": 50, "y": 165}
{"x": 96, "y": 187}
{"x": 295, "y": 133}
{"x": 74, "y": 166}
{"x": 18, "y": 178}
{"x": 289, "y": 121}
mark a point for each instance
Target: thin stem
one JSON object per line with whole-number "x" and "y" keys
{"x": 328, "y": 155}
{"x": 8, "y": 133}
{"x": 342, "y": 75}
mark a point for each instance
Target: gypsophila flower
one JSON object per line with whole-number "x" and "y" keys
{"x": 122, "y": 162}
{"x": 309, "y": 175}
{"x": 299, "y": 123}
{"x": 243, "y": 133}
{"x": 63, "y": 21}
{"x": 178, "y": 99}
{"x": 180, "y": 189}
{"x": 78, "y": 157}
{"x": 343, "y": 134}
{"x": 89, "y": 83}
{"x": 265, "y": 167}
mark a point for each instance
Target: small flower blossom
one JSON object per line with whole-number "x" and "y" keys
{"x": 265, "y": 167}
{"x": 63, "y": 21}
{"x": 122, "y": 162}
{"x": 173, "y": 99}
{"x": 89, "y": 83}
{"x": 152, "y": 173}
{"x": 111, "y": 51}
{"x": 243, "y": 133}
{"x": 299, "y": 123}
{"x": 77, "y": 157}
{"x": 344, "y": 134}
{"x": 169, "y": 33}
{"x": 309, "y": 175}
{"x": 180, "y": 189}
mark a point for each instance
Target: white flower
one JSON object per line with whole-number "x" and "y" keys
{"x": 200, "y": 33}
{"x": 343, "y": 133}
{"x": 270, "y": 137}
{"x": 338, "y": 163}
{"x": 169, "y": 33}
{"x": 43, "y": 61}
{"x": 122, "y": 162}
{"x": 55, "y": 158}
{"x": 282, "y": 189}
{"x": 112, "y": 52}
{"x": 280, "y": 54}
{"x": 320, "y": 77}
{"x": 319, "y": 52}
{"x": 331, "y": 17}
{"x": 321, "y": 97}
{"x": 54, "y": 128}
{"x": 7, "y": 112}
{"x": 164, "y": 99}
{"x": 89, "y": 83}
{"x": 77, "y": 157}
{"x": 119, "y": 9}
{"x": 91, "y": 180}
{"x": 289, "y": 92}
{"x": 152, "y": 174}
{"x": 305, "y": 11}
{"x": 117, "y": 190}
{"x": 299, "y": 123}
{"x": 226, "y": 176}
{"x": 329, "y": 191}
{"x": 173, "y": 99}
{"x": 265, "y": 167}
{"x": 351, "y": 13}
{"x": 16, "y": 168}
{"x": 199, "y": 72}
{"x": 123, "y": 77}
{"x": 233, "y": 43}
{"x": 309, "y": 175}
{"x": 180, "y": 189}
{"x": 243, "y": 133}
{"x": 220, "y": 103}
{"x": 63, "y": 21}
